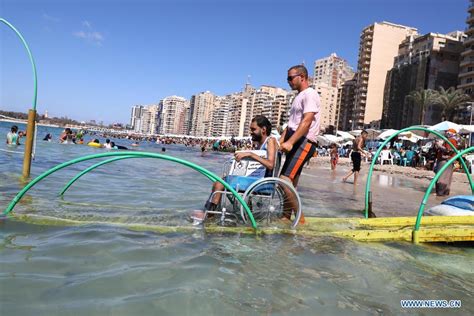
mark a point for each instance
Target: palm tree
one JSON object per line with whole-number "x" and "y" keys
{"x": 450, "y": 100}
{"x": 423, "y": 98}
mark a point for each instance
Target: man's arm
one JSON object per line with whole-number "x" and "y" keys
{"x": 268, "y": 162}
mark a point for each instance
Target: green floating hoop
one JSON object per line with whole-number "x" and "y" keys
{"x": 125, "y": 155}
{"x": 433, "y": 183}
{"x": 411, "y": 128}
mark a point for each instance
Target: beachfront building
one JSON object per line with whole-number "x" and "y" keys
{"x": 328, "y": 98}
{"x": 172, "y": 115}
{"x": 332, "y": 71}
{"x": 202, "y": 106}
{"x": 378, "y": 46}
{"x": 466, "y": 71}
{"x": 423, "y": 62}
{"x": 149, "y": 120}
{"x": 220, "y": 116}
{"x": 136, "y": 117}
{"x": 345, "y": 104}
{"x": 269, "y": 101}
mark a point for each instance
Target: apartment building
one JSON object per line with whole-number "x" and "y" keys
{"x": 332, "y": 71}
{"x": 202, "y": 107}
{"x": 345, "y": 99}
{"x": 429, "y": 61}
{"x": 172, "y": 115}
{"x": 379, "y": 45}
{"x": 328, "y": 99}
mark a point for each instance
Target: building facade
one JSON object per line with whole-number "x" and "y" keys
{"x": 379, "y": 45}
{"x": 346, "y": 99}
{"x": 423, "y": 62}
{"x": 202, "y": 105}
{"x": 172, "y": 115}
{"x": 332, "y": 71}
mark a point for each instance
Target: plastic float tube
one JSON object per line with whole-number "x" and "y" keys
{"x": 460, "y": 205}
{"x": 92, "y": 144}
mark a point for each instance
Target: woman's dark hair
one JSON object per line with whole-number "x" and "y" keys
{"x": 262, "y": 122}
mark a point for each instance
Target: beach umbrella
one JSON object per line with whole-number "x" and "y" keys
{"x": 345, "y": 135}
{"x": 386, "y": 134}
{"x": 333, "y": 138}
{"x": 356, "y": 132}
{"x": 466, "y": 129}
{"x": 444, "y": 126}
{"x": 322, "y": 141}
{"x": 372, "y": 133}
{"x": 410, "y": 137}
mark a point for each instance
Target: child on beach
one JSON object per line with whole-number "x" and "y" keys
{"x": 334, "y": 156}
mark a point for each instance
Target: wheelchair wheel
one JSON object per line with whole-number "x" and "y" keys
{"x": 269, "y": 201}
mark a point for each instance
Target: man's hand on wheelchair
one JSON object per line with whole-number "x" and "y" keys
{"x": 240, "y": 156}
{"x": 286, "y": 147}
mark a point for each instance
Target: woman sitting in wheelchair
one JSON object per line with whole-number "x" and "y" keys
{"x": 248, "y": 166}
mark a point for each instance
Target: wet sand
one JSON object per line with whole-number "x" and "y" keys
{"x": 396, "y": 190}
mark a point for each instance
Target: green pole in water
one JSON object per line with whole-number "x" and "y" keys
{"x": 428, "y": 192}
{"x": 368, "y": 193}
{"x": 200, "y": 169}
{"x": 30, "y": 132}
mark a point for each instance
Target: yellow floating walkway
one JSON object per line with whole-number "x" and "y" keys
{"x": 433, "y": 228}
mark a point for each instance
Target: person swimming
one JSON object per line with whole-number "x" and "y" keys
{"x": 48, "y": 137}
{"x": 113, "y": 146}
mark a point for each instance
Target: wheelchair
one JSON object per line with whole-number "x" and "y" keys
{"x": 267, "y": 197}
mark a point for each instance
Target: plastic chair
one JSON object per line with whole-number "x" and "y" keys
{"x": 385, "y": 155}
{"x": 408, "y": 159}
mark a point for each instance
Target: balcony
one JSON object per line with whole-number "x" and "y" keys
{"x": 469, "y": 41}
{"x": 466, "y": 85}
{"x": 469, "y": 31}
{"x": 467, "y": 62}
{"x": 464, "y": 74}
{"x": 467, "y": 52}
{"x": 470, "y": 19}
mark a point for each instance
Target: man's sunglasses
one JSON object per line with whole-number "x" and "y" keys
{"x": 290, "y": 78}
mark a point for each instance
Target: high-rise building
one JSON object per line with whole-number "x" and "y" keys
{"x": 423, "y": 62}
{"x": 328, "y": 99}
{"x": 332, "y": 71}
{"x": 346, "y": 98}
{"x": 466, "y": 74}
{"x": 378, "y": 46}
{"x": 269, "y": 101}
{"x": 202, "y": 106}
{"x": 135, "y": 117}
{"x": 149, "y": 119}
{"x": 172, "y": 116}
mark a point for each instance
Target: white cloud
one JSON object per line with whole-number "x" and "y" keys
{"x": 89, "y": 34}
{"x": 87, "y": 24}
{"x": 50, "y": 18}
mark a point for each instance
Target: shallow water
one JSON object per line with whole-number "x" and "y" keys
{"x": 105, "y": 269}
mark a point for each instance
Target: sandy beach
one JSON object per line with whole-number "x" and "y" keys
{"x": 397, "y": 191}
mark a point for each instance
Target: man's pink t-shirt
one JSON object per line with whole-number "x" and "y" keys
{"x": 306, "y": 101}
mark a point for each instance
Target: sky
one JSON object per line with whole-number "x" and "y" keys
{"x": 96, "y": 59}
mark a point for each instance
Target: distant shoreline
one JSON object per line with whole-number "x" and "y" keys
{"x": 26, "y": 122}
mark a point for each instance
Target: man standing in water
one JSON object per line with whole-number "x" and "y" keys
{"x": 298, "y": 140}
{"x": 356, "y": 155}
{"x": 12, "y": 137}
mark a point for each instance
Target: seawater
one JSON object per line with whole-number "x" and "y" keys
{"x": 103, "y": 268}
